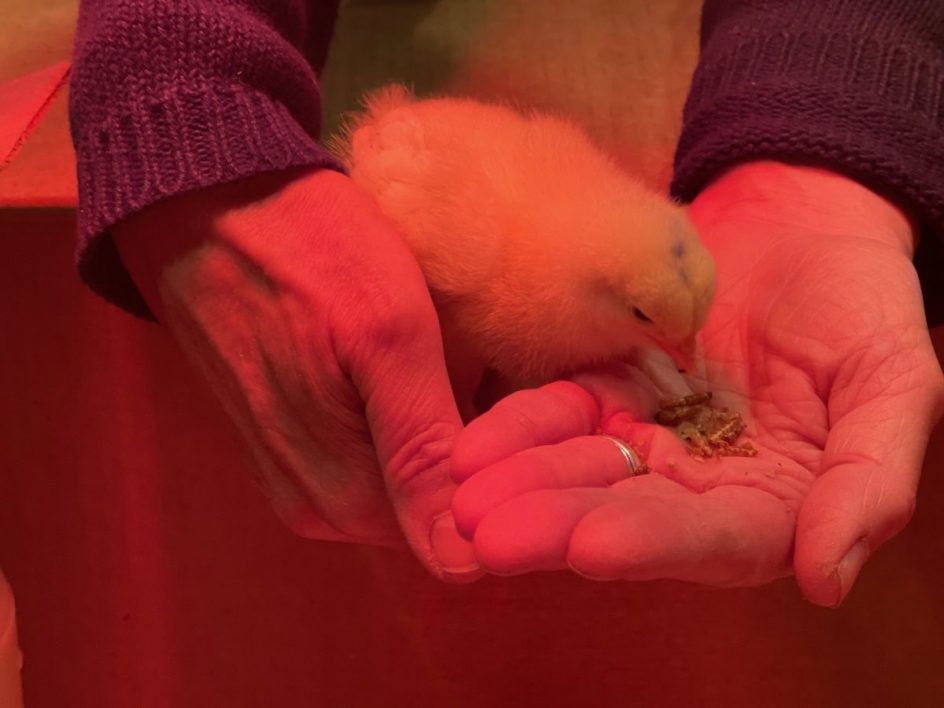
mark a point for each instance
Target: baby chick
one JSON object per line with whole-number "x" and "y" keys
{"x": 541, "y": 255}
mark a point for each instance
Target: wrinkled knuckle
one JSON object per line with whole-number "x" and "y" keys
{"x": 426, "y": 450}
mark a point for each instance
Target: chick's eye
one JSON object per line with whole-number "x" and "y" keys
{"x": 640, "y": 315}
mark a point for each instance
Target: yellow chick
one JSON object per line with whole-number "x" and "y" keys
{"x": 542, "y": 256}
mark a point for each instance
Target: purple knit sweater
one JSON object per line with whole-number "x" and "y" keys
{"x": 168, "y": 97}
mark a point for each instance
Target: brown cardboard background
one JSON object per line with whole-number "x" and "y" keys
{"x": 34, "y": 35}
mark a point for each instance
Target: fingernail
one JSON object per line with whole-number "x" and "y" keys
{"x": 454, "y": 554}
{"x": 849, "y": 567}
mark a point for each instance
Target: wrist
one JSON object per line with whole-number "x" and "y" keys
{"x": 152, "y": 240}
{"x": 806, "y": 198}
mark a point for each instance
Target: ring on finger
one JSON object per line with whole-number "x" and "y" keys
{"x": 636, "y": 466}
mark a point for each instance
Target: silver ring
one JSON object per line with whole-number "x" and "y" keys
{"x": 632, "y": 459}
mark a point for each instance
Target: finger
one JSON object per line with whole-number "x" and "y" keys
{"x": 656, "y": 529}
{"x": 634, "y": 388}
{"x": 532, "y": 531}
{"x": 523, "y": 420}
{"x": 413, "y": 421}
{"x": 865, "y": 494}
{"x": 590, "y": 461}
{"x": 644, "y": 528}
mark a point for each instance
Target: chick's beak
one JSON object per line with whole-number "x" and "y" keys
{"x": 683, "y": 354}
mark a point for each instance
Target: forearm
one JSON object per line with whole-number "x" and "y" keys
{"x": 168, "y": 98}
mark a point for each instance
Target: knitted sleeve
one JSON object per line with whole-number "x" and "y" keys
{"x": 168, "y": 97}
{"x": 851, "y": 85}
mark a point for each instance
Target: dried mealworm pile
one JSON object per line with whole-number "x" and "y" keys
{"x": 709, "y": 432}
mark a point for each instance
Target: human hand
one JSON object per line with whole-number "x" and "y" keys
{"x": 311, "y": 321}
{"x": 817, "y": 337}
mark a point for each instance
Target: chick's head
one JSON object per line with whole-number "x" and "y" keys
{"x": 652, "y": 280}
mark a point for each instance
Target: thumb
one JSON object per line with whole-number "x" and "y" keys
{"x": 871, "y": 466}
{"x": 414, "y": 421}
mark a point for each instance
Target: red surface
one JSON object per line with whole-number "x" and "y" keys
{"x": 149, "y": 572}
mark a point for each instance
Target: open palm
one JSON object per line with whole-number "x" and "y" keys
{"x": 817, "y": 337}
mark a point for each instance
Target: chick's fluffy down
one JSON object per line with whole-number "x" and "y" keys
{"x": 537, "y": 249}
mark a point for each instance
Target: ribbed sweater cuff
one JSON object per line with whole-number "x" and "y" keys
{"x": 871, "y": 108}
{"x": 182, "y": 139}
